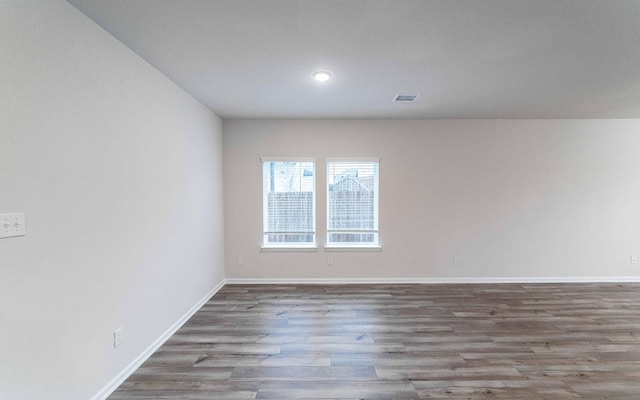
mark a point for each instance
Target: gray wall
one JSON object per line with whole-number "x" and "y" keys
{"x": 514, "y": 199}
{"x": 119, "y": 173}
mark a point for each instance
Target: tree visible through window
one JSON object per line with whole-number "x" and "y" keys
{"x": 352, "y": 203}
{"x": 288, "y": 203}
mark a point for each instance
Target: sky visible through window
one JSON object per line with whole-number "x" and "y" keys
{"x": 339, "y": 170}
{"x": 291, "y": 176}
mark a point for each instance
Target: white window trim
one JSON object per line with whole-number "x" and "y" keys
{"x": 288, "y": 159}
{"x": 352, "y": 247}
{"x": 288, "y": 248}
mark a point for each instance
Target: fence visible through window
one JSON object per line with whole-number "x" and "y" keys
{"x": 290, "y": 219}
{"x": 288, "y": 202}
{"x": 352, "y": 203}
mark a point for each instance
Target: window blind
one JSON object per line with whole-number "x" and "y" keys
{"x": 352, "y": 203}
{"x": 288, "y": 202}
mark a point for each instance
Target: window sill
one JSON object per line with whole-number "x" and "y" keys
{"x": 287, "y": 249}
{"x": 352, "y": 248}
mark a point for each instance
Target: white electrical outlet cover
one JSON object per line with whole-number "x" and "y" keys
{"x": 12, "y": 225}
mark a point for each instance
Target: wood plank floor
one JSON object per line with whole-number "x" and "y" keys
{"x": 494, "y": 341}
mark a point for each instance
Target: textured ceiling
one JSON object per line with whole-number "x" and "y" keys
{"x": 466, "y": 58}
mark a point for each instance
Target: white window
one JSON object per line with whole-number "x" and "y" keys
{"x": 289, "y": 202}
{"x": 352, "y": 203}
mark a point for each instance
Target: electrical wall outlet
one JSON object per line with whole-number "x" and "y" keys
{"x": 329, "y": 260}
{"x": 12, "y": 225}
{"x": 456, "y": 260}
{"x": 117, "y": 337}
{"x": 634, "y": 259}
{"x": 239, "y": 261}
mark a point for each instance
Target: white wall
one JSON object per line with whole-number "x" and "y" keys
{"x": 119, "y": 172}
{"x": 513, "y": 198}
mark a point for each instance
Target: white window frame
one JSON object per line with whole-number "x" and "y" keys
{"x": 265, "y": 181}
{"x": 336, "y": 246}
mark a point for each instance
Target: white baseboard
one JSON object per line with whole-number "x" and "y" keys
{"x": 345, "y": 281}
{"x": 137, "y": 362}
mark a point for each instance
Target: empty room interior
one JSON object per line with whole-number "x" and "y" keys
{"x": 305, "y": 199}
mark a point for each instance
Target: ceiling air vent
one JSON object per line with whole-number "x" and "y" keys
{"x": 406, "y": 97}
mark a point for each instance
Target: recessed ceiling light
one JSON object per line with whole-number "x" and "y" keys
{"x": 322, "y": 76}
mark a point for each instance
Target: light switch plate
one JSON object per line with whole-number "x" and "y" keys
{"x": 117, "y": 337}
{"x": 12, "y": 225}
